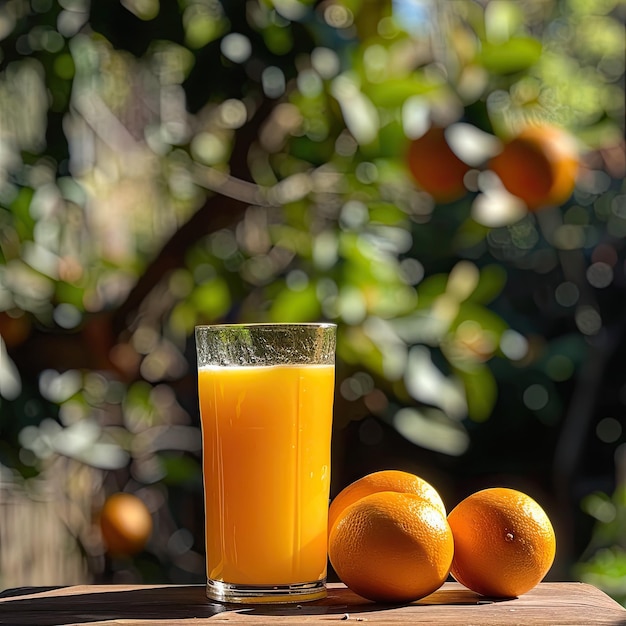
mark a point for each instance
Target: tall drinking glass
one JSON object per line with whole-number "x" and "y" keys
{"x": 266, "y": 401}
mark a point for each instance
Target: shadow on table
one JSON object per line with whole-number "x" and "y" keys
{"x": 71, "y": 605}
{"x": 159, "y": 603}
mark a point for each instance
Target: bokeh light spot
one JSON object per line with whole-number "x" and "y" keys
{"x": 567, "y": 294}
{"x": 600, "y": 275}
{"x": 67, "y": 315}
{"x": 411, "y": 271}
{"x": 513, "y": 345}
{"x": 273, "y": 81}
{"x": 233, "y": 113}
{"x": 536, "y": 397}
{"x": 297, "y": 280}
{"x": 338, "y": 16}
{"x": 559, "y": 368}
{"x": 209, "y": 149}
{"x": 236, "y": 47}
{"x": 609, "y": 430}
{"x": 325, "y": 62}
{"x": 588, "y": 320}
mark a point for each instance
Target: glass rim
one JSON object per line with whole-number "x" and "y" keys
{"x": 261, "y": 343}
{"x": 266, "y": 325}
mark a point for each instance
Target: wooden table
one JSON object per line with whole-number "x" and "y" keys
{"x": 553, "y": 604}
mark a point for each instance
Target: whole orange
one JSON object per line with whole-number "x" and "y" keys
{"x": 504, "y": 542}
{"x": 435, "y": 167}
{"x": 383, "y": 480}
{"x": 539, "y": 165}
{"x": 126, "y": 524}
{"x": 391, "y": 547}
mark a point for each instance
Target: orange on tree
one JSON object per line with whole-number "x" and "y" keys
{"x": 504, "y": 542}
{"x": 539, "y": 165}
{"x": 383, "y": 480}
{"x": 435, "y": 167}
{"x": 126, "y": 524}
{"x": 391, "y": 547}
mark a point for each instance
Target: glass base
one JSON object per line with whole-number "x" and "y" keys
{"x": 261, "y": 594}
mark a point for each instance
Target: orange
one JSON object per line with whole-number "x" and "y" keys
{"x": 391, "y": 547}
{"x": 435, "y": 167}
{"x": 539, "y": 165}
{"x": 504, "y": 543}
{"x": 383, "y": 480}
{"x": 126, "y": 524}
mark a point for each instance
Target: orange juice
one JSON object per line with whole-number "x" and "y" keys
{"x": 266, "y": 455}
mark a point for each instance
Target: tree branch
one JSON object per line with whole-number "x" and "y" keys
{"x": 234, "y": 194}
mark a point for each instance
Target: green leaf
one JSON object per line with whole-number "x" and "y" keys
{"x": 490, "y": 283}
{"x": 481, "y": 391}
{"x": 180, "y": 469}
{"x": 20, "y": 207}
{"x": 71, "y": 294}
{"x": 212, "y": 299}
{"x": 358, "y": 349}
{"x": 390, "y": 300}
{"x": 296, "y": 306}
{"x": 515, "y": 55}
{"x": 430, "y": 288}
{"x": 386, "y": 213}
{"x": 139, "y": 392}
{"x": 183, "y": 318}
{"x": 391, "y": 140}
{"x": 393, "y": 92}
{"x": 278, "y": 39}
{"x": 486, "y": 319}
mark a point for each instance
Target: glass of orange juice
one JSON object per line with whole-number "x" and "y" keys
{"x": 266, "y": 402}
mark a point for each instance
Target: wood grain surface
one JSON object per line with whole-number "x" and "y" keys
{"x": 553, "y": 604}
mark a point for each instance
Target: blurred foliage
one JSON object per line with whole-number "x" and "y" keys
{"x": 604, "y": 562}
{"x": 170, "y": 164}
